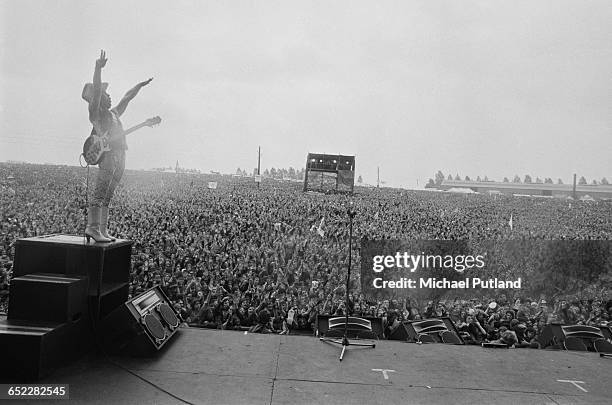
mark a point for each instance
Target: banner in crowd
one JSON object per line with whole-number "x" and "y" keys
{"x": 212, "y": 185}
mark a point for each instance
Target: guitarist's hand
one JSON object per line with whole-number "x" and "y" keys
{"x": 101, "y": 61}
{"x": 142, "y": 84}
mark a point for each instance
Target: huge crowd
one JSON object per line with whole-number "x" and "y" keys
{"x": 270, "y": 258}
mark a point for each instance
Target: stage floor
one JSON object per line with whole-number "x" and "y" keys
{"x": 203, "y": 366}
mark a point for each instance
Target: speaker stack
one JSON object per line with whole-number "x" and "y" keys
{"x": 46, "y": 326}
{"x": 62, "y": 290}
{"x": 60, "y": 285}
{"x": 107, "y": 265}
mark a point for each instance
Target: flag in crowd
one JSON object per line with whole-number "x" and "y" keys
{"x": 320, "y": 230}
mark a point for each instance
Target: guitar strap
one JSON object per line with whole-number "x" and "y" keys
{"x": 97, "y": 127}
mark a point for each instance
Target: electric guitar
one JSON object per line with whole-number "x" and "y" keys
{"x": 96, "y": 145}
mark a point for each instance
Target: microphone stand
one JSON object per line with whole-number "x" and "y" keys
{"x": 345, "y": 342}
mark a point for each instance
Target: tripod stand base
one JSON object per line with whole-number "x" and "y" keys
{"x": 345, "y": 342}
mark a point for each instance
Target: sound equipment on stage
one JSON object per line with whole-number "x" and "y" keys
{"x": 575, "y": 344}
{"x": 33, "y": 349}
{"x": 606, "y": 331}
{"x": 602, "y": 346}
{"x": 46, "y": 326}
{"x": 356, "y": 328}
{"x": 60, "y": 285}
{"x": 438, "y": 330}
{"x": 555, "y": 335}
{"x": 359, "y": 327}
{"x": 106, "y": 264}
{"x": 398, "y": 333}
{"x": 141, "y": 326}
{"x": 48, "y": 297}
{"x": 451, "y": 337}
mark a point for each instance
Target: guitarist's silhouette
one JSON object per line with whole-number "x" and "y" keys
{"x": 106, "y": 147}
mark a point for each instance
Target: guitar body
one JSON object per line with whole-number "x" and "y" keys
{"x": 94, "y": 148}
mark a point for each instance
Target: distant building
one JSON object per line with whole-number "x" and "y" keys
{"x": 598, "y": 191}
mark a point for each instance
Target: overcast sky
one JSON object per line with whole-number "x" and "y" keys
{"x": 492, "y": 88}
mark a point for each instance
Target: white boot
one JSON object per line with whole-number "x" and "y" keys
{"x": 104, "y": 223}
{"x": 93, "y": 226}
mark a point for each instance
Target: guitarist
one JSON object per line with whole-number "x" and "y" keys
{"x": 106, "y": 121}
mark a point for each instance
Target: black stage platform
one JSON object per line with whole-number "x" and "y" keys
{"x": 227, "y": 367}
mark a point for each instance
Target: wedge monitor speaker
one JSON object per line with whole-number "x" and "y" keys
{"x": 141, "y": 326}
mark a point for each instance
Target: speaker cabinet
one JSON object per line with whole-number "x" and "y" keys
{"x": 399, "y": 332}
{"x": 141, "y": 326}
{"x": 554, "y": 335}
{"x": 48, "y": 297}
{"x": 32, "y": 350}
{"x": 434, "y": 327}
{"x": 106, "y": 264}
{"x": 375, "y": 323}
{"x": 606, "y": 331}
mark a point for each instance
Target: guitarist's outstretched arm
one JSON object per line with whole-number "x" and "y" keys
{"x": 120, "y": 108}
{"x": 94, "y": 104}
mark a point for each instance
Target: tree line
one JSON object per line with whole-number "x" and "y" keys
{"x": 274, "y": 173}
{"x": 440, "y": 177}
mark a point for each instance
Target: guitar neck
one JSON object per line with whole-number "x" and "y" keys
{"x": 135, "y": 128}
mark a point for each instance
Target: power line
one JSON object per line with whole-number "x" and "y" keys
{"x": 55, "y": 137}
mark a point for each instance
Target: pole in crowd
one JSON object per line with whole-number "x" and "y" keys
{"x": 259, "y": 164}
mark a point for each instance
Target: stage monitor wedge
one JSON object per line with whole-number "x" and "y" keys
{"x": 141, "y": 326}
